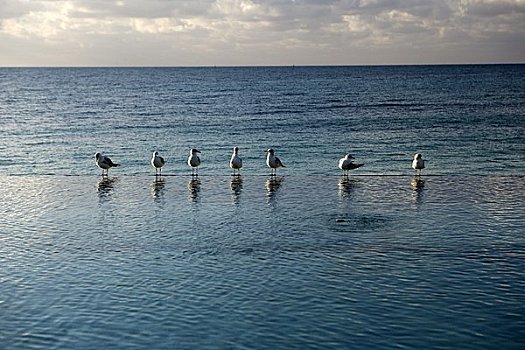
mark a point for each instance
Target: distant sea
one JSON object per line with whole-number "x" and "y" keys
{"x": 308, "y": 259}
{"x": 463, "y": 119}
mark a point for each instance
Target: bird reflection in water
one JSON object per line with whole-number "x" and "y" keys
{"x": 273, "y": 183}
{"x": 418, "y": 186}
{"x": 194, "y": 187}
{"x": 105, "y": 187}
{"x": 236, "y": 187}
{"x": 157, "y": 188}
{"x": 345, "y": 186}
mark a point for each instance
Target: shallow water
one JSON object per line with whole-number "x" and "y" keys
{"x": 305, "y": 260}
{"x": 253, "y": 262}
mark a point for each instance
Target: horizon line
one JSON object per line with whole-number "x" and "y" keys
{"x": 268, "y": 66}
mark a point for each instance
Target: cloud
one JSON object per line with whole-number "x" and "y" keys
{"x": 491, "y": 8}
{"x": 187, "y": 32}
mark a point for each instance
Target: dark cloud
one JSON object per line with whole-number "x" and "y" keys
{"x": 491, "y": 9}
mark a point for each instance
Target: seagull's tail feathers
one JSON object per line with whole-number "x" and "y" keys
{"x": 353, "y": 166}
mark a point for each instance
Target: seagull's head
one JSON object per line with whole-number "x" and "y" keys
{"x": 155, "y": 154}
{"x": 270, "y": 151}
{"x": 194, "y": 151}
{"x": 349, "y": 156}
{"x": 235, "y": 149}
{"x": 418, "y": 156}
{"x": 97, "y": 156}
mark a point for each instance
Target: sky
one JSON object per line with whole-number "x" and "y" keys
{"x": 260, "y": 32}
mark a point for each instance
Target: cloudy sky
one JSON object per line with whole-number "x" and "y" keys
{"x": 259, "y": 32}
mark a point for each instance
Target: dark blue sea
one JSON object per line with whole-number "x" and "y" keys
{"x": 306, "y": 259}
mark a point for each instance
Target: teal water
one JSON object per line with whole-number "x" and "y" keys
{"x": 308, "y": 259}
{"x": 292, "y": 262}
{"x": 463, "y": 119}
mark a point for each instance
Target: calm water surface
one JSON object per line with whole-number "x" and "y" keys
{"x": 260, "y": 263}
{"x": 306, "y": 260}
{"x": 464, "y": 119}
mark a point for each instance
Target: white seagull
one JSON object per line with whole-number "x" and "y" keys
{"x": 346, "y": 164}
{"x": 418, "y": 163}
{"x": 194, "y": 161}
{"x": 104, "y": 163}
{"x": 272, "y": 161}
{"x": 236, "y": 161}
{"x": 157, "y": 162}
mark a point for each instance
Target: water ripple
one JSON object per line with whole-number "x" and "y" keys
{"x": 308, "y": 263}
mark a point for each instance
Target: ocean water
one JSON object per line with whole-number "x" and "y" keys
{"x": 463, "y": 119}
{"x": 307, "y": 259}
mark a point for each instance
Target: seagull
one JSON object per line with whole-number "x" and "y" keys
{"x": 346, "y": 164}
{"x": 104, "y": 163}
{"x": 194, "y": 161}
{"x": 157, "y": 162}
{"x": 418, "y": 163}
{"x": 273, "y": 162}
{"x": 236, "y": 161}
